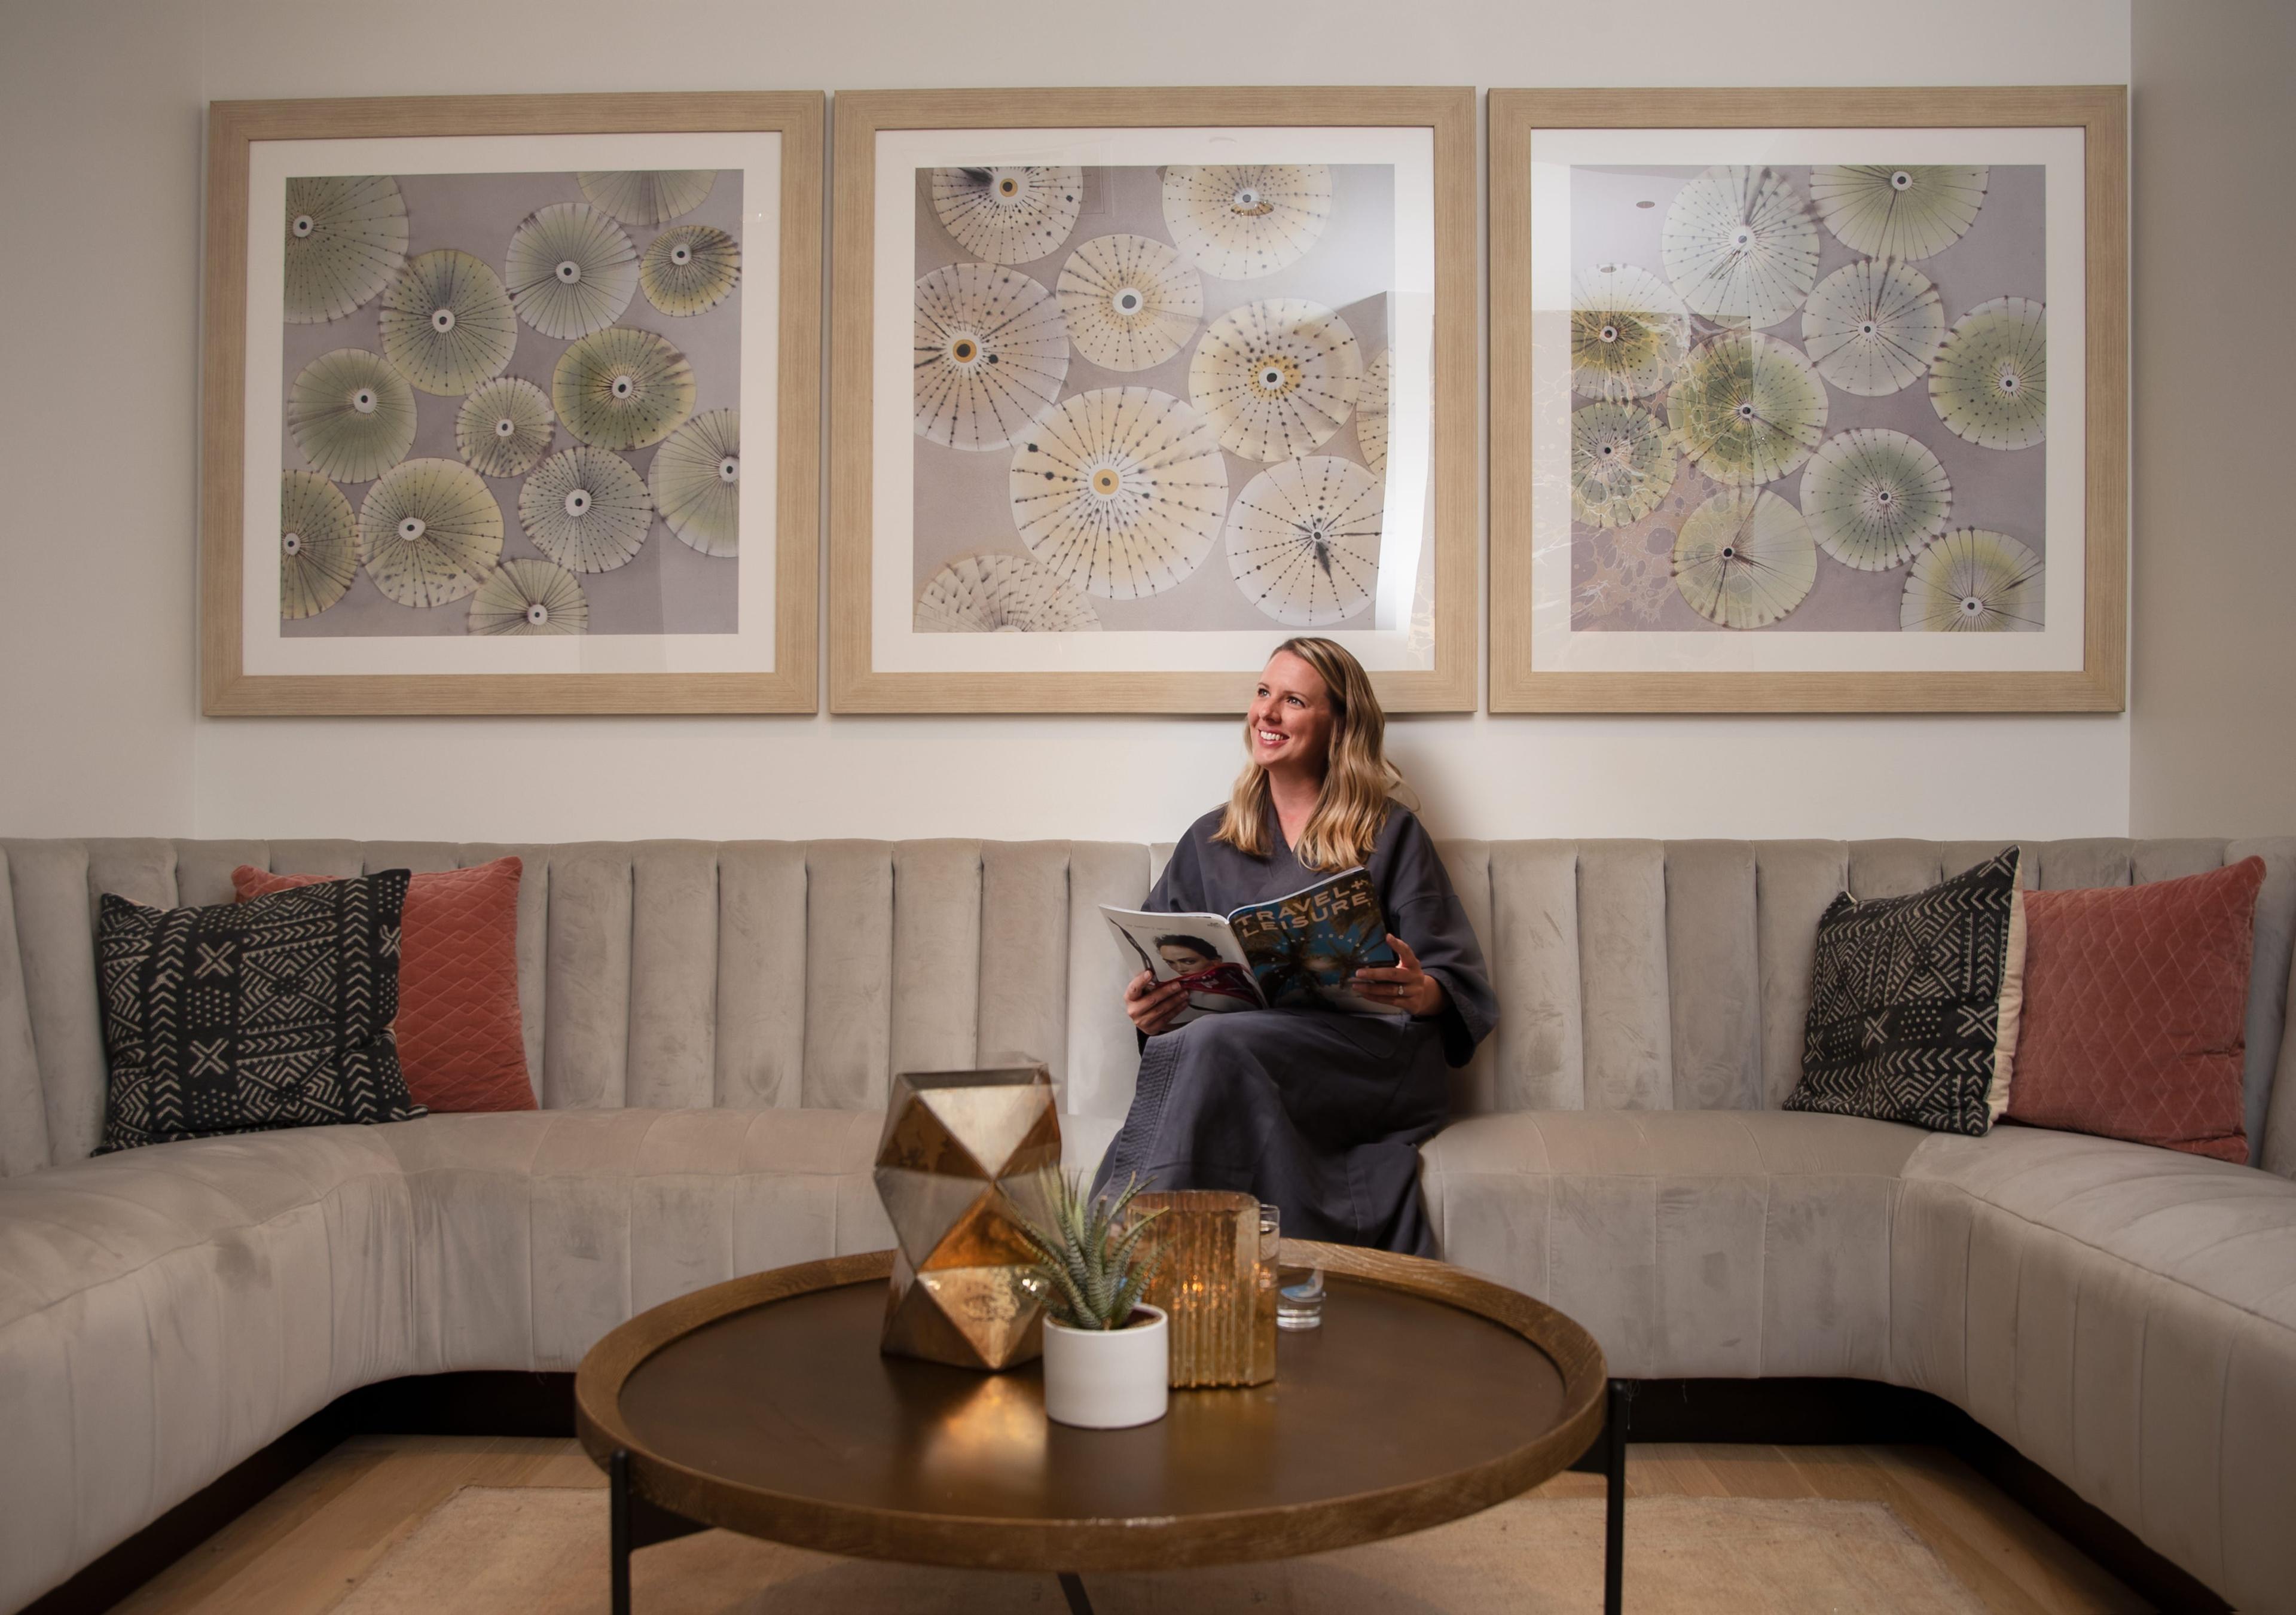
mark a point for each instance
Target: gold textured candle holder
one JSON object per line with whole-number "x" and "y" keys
{"x": 1216, "y": 1277}
{"x": 955, "y": 1146}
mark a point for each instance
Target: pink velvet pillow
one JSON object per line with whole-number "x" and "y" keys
{"x": 2137, "y": 1011}
{"x": 461, "y": 1043}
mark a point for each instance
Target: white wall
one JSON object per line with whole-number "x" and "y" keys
{"x": 97, "y": 730}
{"x": 2214, "y": 654}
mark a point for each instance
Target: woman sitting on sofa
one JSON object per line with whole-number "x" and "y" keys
{"x": 1317, "y": 1112}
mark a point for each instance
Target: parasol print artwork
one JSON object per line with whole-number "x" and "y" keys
{"x": 1788, "y": 413}
{"x": 1865, "y": 347}
{"x": 1130, "y": 385}
{"x": 478, "y": 373}
{"x": 535, "y": 340}
{"x": 1117, "y": 346}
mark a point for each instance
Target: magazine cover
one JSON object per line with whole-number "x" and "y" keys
{"x": 1306, "y": 948}
{"x": 1199, "y": 949}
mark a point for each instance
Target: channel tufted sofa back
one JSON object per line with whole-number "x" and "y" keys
{"x": 1633, "y": 975}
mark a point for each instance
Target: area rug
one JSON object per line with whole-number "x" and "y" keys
{"x": 542, "y": 1551}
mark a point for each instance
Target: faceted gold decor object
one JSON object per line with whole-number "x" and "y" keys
{"x": 957, "y": 1147}
{"x": 1216, "y": 1282}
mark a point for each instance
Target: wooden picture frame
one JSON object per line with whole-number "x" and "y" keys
{"x": 768, "y": 660}
{"x": 1130, "y": 129}
{"x": 1545, "y": 658}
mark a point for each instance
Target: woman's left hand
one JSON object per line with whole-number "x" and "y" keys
{"x": 1403, "y": 986}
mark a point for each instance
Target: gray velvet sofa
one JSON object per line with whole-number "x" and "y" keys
{"x": 711, "y": 1029}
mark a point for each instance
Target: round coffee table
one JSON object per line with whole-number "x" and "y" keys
{"x": 763, "y": 1406}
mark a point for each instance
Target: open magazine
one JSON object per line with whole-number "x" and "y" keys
{"x": 1296, "y": 952}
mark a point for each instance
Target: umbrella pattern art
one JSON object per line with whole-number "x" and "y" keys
{"x": 346, "y": 238}
{"x": 318, "y": 545}
{"x": 446, "y": 322}
{"x": 352, "y": 414}
{"x": 429, "y": 532}
{"x": 524, "y": 598}
{"x": 1744, "y": 559}
{"x": 1120, "y": 491}
{"x": 570, "y": 270}
{"x": 1129, "y": 302}
{"x": 1275, "y": 378}
{"x": 1303, "y": 540}
{"x": 1242, "y": 223}
{"x": 1008, "y": 216}
{"x": 518, "y": 309}
{"x": 1741, "y": 247}
{"x": 996, "y": 593}
{"x": 586, "y": 510}
{"x": 1973, "y": 581}
{"x": 991, "y": 353}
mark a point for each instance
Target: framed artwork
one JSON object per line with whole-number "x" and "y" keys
{"x": 479, "y": 376}
{"x": 1808, "y": 400}
{"x": 1129, "y": 385}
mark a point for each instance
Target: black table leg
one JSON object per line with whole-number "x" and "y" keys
{"x": 1614, "y": 1511}
{"x": 618, "y": 1529}
{"x": 1072, "y": 1589}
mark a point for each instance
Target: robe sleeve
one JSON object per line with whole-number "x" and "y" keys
{"x": 1424, "y": 911}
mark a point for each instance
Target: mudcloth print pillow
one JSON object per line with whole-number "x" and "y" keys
{"x": 461, "y": 1043}
{"x": 2137, "y": 1011}
{"x": 248, "y": 1016}
{"x": 1914, "y": 1004}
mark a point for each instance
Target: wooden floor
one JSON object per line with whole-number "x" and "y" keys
{"x": 303, "y": 1549}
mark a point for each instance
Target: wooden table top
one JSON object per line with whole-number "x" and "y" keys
{"x": 763, "y": 1404}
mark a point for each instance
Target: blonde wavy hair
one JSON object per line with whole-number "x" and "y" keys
{"x": 1357, "y": 778}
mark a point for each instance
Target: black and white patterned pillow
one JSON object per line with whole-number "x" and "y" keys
{"x": 1914, "y": 1004}
{"x": 273, "y": 1012}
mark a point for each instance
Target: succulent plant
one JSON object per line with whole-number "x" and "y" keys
{"x": 1085, "y": 1272}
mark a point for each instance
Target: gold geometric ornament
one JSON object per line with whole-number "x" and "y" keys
{"x": 956, "y": 1149}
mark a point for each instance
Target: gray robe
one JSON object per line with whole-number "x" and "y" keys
{"x": 1319, "y": 1112}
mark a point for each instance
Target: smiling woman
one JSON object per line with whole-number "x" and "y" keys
{"x": 1317, "y": 1112}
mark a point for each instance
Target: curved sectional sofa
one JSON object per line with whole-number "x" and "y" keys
{"x": 711, "y": 1028}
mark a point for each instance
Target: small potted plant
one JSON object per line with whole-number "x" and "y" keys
{"x": 1106, "y": 1353}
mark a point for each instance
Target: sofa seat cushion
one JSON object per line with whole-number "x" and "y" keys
{"x": 2125, "y": 1316}
{"x": 166, "y": 1311}
{"x": 1691, "y": 1243}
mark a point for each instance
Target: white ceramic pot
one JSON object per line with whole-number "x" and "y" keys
{"x": 1108, "y": 1378}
